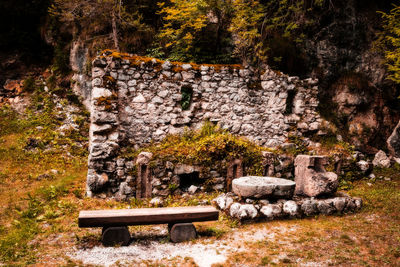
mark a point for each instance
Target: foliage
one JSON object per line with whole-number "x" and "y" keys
{"x": 248, "y": 25}
{"x": 92, "y": 19}
{"x": 183, "y": 20}
{"x": 194, "y": 31}
{"x": 389, "y": 42}
{"x": 247, "y": 31}
{"x": 291, "y": 18}
{"x": 61, "y": 58}
{"x": 29, "y": 84}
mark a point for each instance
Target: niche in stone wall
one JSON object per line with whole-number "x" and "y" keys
{"x": 187, "y": 95}
{"x": 235, "y": 170}
{"x": 189, "y": 179}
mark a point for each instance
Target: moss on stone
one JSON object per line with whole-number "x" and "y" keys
{"x": 156, "y": 63}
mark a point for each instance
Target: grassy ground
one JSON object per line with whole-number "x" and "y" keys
{"x": 42, "y": 190}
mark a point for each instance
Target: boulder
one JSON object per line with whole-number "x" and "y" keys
{"x": 364, "y": 166}
{"x": 271, "y": 211}
{"x": 311, "y": 177}
{"x": 234, "y": 209}
{"x": 358, "y": 202}
{"x": 309, "y": 207}
{"x": 339, "y": 203}
{"x": 243, "y": 212}
{"x": 156, "y": 202}
{"x": 223, "y": 202}
{"x": 259, "y": 187}
{"x": 393, "y": 142}
{"x": 326, "y": 207}
{"x": 144, "y": 158}
{"x": 192, "y": 189}
{"x": 291, "y": 208}
{"x": 381, "y": 160}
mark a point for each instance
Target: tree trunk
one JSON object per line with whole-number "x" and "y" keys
{"x": 114, "y": 30}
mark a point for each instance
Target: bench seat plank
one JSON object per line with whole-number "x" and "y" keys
{"x": 122, "y": 217}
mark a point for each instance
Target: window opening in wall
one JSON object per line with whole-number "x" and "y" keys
{"x": 187, "y": 93}
{"x": 289, "y": 101}
{"x": 188, "y": 179}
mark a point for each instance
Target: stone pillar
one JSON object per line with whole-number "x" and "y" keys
{"x": 311, "y": 177}
{"x": 143, "y": 181}
{"x": 268, "y": 163}
{"x": 103, "y": 133}
{"x": 235, "y": 170}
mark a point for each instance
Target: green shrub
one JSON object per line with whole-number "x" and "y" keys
{"x": 29, "y": 84}
{"x": 389, "y": 42}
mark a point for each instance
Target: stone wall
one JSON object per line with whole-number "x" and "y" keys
{"x": 136, "y": 100}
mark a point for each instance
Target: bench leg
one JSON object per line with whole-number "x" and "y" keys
{"x": 115, "y": 236}
{"x": 180, "y": 232}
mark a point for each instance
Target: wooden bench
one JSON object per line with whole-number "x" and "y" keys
{"x": 115, "y": 222}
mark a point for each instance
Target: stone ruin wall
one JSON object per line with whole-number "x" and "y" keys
{"x": 136, "y": 100}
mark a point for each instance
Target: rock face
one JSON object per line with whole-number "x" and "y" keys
{"x": 311, "y": 177}
{"x": 393, "y": 142}
{"x": 134, "y": 101}
{"x": 263, "y": 187}
{"x": 78, "y": 61}
{"x": 381, "y": 160}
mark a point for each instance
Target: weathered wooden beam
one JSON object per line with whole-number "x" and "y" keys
{"x": 123, "y": 217}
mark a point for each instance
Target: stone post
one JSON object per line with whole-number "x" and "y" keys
{"x": 268, "y": 163}
{"x": 311, "y": 177}
{"x": 103, "y": 133}
{"x": 235, "y": 170}
{"x": 143, "y": 181}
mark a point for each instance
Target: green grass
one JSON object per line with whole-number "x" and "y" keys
{"x": 30, "y": 146}
{"x": 33, "y": 210}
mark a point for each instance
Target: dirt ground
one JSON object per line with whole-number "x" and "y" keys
{"x": 368, "y": 238}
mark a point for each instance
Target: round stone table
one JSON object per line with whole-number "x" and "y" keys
{"x": 263, "y": 187}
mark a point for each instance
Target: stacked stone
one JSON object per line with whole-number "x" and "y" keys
{"x": 265, "y": 209}
{"x": 166, "y": 179}
{"x": 135, "y": 103}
